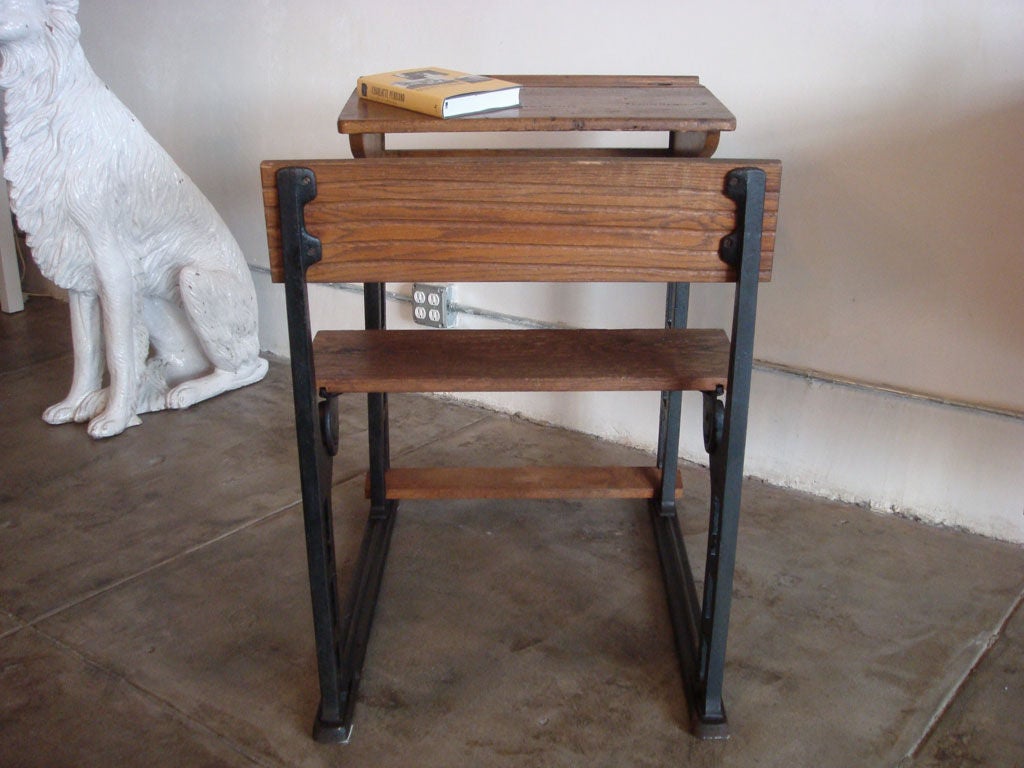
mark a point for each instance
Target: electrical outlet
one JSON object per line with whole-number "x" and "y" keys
{"x": 431, "y": 305}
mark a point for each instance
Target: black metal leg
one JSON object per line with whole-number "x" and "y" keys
{"x": 683, "y": 605}
{"x": 701, "y": 628}
{"x": 677, "y": 574}
{"x": 374, "y": 303}
{"x": 316, "y": 434}
{"x": 356, "y": 620}
{"x": 677, "y": 304}
{"x": 725, "y": 431}
{"x": 323, "y": 577}
{"x": 709, "y": 714}
{"x": 680, "y": 590}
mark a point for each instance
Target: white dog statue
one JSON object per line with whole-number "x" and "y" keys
{"x": 147, "y": 261}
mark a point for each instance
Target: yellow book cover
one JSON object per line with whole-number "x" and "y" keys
{"x": 439, "y": 92}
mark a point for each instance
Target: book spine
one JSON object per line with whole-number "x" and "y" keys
{"x": 401, "y": 97}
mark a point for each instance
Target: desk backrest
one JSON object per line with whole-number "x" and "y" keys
{"x": 478, "y": 219}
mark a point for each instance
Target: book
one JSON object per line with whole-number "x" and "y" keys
{"x": 439, "y": 92}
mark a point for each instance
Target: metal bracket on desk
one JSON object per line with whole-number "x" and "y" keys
{"x": 733, "y": 244}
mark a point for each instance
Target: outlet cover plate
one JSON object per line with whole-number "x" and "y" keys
{"x": 431, "y": 305}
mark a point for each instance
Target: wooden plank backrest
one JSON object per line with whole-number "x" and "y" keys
{"x": 478, "y": 219}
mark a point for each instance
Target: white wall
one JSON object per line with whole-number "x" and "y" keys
{"x": 899, "y": 259}
{"x": 11, "y": 299}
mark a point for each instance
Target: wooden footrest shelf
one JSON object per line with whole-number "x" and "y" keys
{"x": 558, "y": 360}
{"x": 525, "y": 483}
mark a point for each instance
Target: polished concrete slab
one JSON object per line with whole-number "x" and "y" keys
{"x": 58, "y": 708}
{"x": 154, "y": 608}
{"x": 984, "y": 724}
{"x": 8, "y": 623}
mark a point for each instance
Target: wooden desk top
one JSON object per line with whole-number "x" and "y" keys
{"x": 565, "y": 103}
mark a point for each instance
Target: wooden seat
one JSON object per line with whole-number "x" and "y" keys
{"x": 471, "y": 219}
{"x": 518, "y": 361}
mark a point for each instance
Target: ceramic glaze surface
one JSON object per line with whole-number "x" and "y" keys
{"x": 162, "y": 300}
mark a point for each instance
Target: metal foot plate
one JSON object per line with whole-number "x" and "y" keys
{"x": 329, "y": 732}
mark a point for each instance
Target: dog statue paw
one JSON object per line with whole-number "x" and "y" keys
{"x": 161, "y": 297}
{"x": 60, "y": 413}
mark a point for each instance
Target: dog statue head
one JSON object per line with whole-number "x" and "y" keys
{"x": 35, "y": 34}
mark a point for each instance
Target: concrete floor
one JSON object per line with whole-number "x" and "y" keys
{"x": 154, "y": 608}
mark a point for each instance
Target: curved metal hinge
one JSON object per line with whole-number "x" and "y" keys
{"x": 714, "y": 420}
{"x": 330, "y": 430}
